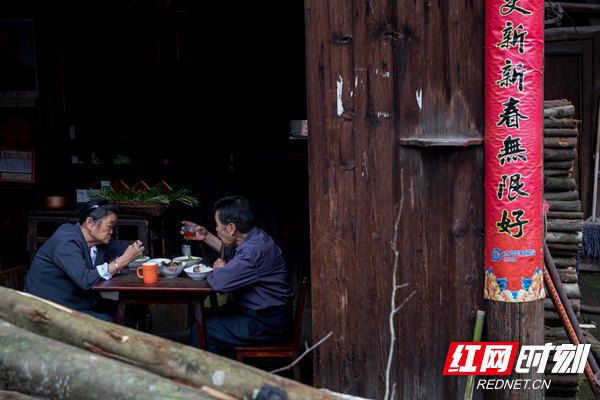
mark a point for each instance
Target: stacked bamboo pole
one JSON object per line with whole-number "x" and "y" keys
{"x": 564, "y": 223}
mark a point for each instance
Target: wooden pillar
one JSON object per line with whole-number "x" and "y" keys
{"x": 516, "y": 322}
{"x": 515, "y": 310}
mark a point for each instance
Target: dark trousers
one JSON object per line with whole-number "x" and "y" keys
{"x": 106, "y": 310}
{"x": 103, "y": 317}
{"x": 244, "y": 327}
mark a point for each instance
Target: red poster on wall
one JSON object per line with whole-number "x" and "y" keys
{"x": 514, "y": 47}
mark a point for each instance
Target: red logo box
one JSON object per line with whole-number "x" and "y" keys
{"x": 480, "y": 358}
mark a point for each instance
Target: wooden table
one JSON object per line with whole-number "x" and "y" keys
{"x": 178, "y": 290}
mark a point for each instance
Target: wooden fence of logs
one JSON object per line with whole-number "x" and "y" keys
{"x": 564, "y": 224}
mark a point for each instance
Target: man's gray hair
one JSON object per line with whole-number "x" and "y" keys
{"x": 97, "y": 210}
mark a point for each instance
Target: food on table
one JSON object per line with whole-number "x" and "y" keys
{"x": 201, "y": 268}
{"x": 138, "y": 262}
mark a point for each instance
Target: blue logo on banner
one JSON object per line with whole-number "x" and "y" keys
{"x": 496, "y": 255}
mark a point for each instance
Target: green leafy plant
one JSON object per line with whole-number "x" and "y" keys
{"x": 151, "y": 195}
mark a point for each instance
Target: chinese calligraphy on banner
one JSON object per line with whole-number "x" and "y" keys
{"x": 514, "y": 46}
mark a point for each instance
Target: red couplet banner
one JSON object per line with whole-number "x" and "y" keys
{"x": 514, "y": 49}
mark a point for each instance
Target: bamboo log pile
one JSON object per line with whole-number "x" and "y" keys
{"x": 564, "y": 224}
{"x": 55, "y": 352}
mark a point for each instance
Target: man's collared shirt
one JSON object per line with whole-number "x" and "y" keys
{"x": 256, "y": 273}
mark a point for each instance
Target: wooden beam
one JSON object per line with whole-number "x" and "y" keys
{"x": 163, "y": 357}
{"x": 565, "y": 262}
{"x": 572, "y": 205}
{"x": 571, "y": 195}
{"x": 525, "y": 321}
{"x": 590, "y": 309}
{"x": 570, "y": 33}
{"x": 564, "y": 246}
{"x": 559, "y": 123}
{"x": 440, "y": 142}
{"x": 559, "y": 111}
{"x": 564, "y": 214}
{"x": 575, "y": 303}
{"x": 557, "y": 174}
{"x": 559, "y": 184}
{"x": 580, "y": 7}
{"x": 564, "y": 237}
{"x": 11, "y": 395}
{"x": 559, "y": 154}
{"x": 567, "y": 275}
{"x": 566, "y": 165}
{"x": 565, "y": 225}
{"x": 49, "y": 367}
{"x": 560, "y": 142}
{"x": 560, "y": 132}
{"x": 556, "y": 103}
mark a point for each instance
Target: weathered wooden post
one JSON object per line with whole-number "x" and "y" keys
{"x": 395, "y": 94}
{"x": 513, "y": 179}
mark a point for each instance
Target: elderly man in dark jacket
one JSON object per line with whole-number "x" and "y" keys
{"x": 79, "y": 255}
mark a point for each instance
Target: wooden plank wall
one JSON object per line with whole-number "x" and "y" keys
{"x": 395, "y": 109}
{"x": 351, "y": 167}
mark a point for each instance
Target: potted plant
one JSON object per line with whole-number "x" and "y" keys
{"x": 152, "y": 201}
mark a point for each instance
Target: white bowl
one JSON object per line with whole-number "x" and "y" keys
{"x": 198, "y": 276}
{"x": 160, "y": 261}
{"x": 188, "y": 261}
{"x": 137, "y": 263}
{"x": 170, "y": 272}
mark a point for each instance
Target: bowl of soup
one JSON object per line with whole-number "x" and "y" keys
{"x": 172, "y": 270}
